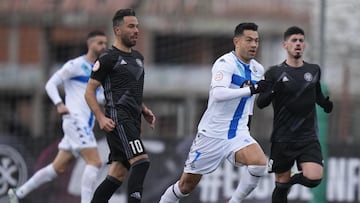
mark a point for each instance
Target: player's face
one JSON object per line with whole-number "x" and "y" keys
{"x": 97, "y": 44}
{"x": 129, "y": 31}
{"x": 246, "y": 45}
{"x": 295, "y": 45}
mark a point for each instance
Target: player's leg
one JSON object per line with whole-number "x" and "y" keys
{"x": 281, "y": 165}
{"x": 93, "y": 163}
{"x": 255, "y": 160}
{"x": 181, "y": 188}
{"x": 139, "y": 167}
{"x": 46, "y": 174}
{"x": 114, "y": 179}
{"x": 311, "y": 166}
{"x": 310, "y": 176}
{"x": 120, "y": 153}
{"x": 206, "y": 154}
{"x": 282, "y": 187}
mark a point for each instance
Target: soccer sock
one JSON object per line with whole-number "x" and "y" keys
{"x": 280, "y": 192}
{"x": 299, "y": 178}
{"x": 105, "y": 190}
{"x": 248, "y": 182}
{"x": 87, "y": 183}
{"x": 172, "y": 194}
{"x": 136, "y": 180}
{"x": 42, "y": 176}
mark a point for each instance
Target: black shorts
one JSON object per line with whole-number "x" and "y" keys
{"x": 125, "y": 143}
{"x": 284, "y": 155}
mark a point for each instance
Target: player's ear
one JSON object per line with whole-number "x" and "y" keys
{"x": 117, "y": 30}
{"x": 235, "y": 41}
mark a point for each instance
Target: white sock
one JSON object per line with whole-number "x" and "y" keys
{"x": 87, "y": 183}
{"x": 172, "y": 194}
{"x": 42, "y": 176}
{"x": 248, "y": 183}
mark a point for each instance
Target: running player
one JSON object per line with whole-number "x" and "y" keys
{"x": 295, "y": 89}
{"x": 223, "y": 131}
{"x": 121, "y": 73}
{"x": 78, "y": 122}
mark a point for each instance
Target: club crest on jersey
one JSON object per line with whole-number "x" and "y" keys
{"x": 308, "y": 77}
{"x": 96, "y": 66}
{"x": 139, "y": 62}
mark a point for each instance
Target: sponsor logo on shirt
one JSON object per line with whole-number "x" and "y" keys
{"x": 285, "y": 79}
{"x": 123, "y": 62}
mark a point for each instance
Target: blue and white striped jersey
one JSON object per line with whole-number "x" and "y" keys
{"x": 227, "y": 117}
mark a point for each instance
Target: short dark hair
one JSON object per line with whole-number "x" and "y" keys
{"x": 293, "y": 30}
{"x": 239, "y": 30}
{"x": 95, "y": 33}
{"x": 120, "y": 14}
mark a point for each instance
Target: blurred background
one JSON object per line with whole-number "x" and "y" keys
{"x": 180, "y": 40}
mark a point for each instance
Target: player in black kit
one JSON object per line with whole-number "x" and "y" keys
{"x": 294, "y": 91}
{"x": 120, "y": 71}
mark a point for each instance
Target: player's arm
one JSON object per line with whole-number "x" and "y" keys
{"x": 323, "y": 101}
{"x": 264, "y": 99}
{"x": 148, "y": 115}
{"x": 52, "y": 91}
{"x": 224, "y": 93}
{"x": 90, "y": 96}
{"x": 220, "y": 83}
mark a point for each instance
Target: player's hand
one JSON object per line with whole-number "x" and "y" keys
{"x": 263, "y": 86}
{"x": 149, "y": 117}
{"x": 278, "y": 86}
{"x": 248, "y": 83}
{"x": 327, "y": 105}
{"x": 106, "y": 124}
{"x": 62, "y": 109}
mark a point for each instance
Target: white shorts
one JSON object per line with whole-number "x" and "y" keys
{"x": 77, "y": 135}
{"x": 207, "y": 153}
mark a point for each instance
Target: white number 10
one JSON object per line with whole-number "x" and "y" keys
{"x": 136, "y": 146}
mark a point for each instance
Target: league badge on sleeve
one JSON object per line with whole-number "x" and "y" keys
{"x": 219, "y": 76}
{"x": 96, "y": 66}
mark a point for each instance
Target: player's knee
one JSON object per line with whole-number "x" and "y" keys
{"x": 95, "y": 163}
{"x": 280, "y": 192}
{"x": 187, "y": 186}
{"x": 311, "y": 183}
{"x": 257, "y": 170}
{"x": 60, "y": 169}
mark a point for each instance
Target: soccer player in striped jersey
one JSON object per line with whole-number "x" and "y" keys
{"x": 223, "y": 132}
{"x": 78, "y": 123}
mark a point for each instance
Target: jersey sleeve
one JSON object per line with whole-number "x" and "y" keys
{"x": 221, "y": 74}
{"x": 58, "y": 78}
{"x": 101, "y": 68}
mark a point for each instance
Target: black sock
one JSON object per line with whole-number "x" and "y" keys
{"x": 105, "y": 190}
{"x": 280, "y": 192}
{"x": 299, "y": 178}
{"x": 136, "y": 180}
